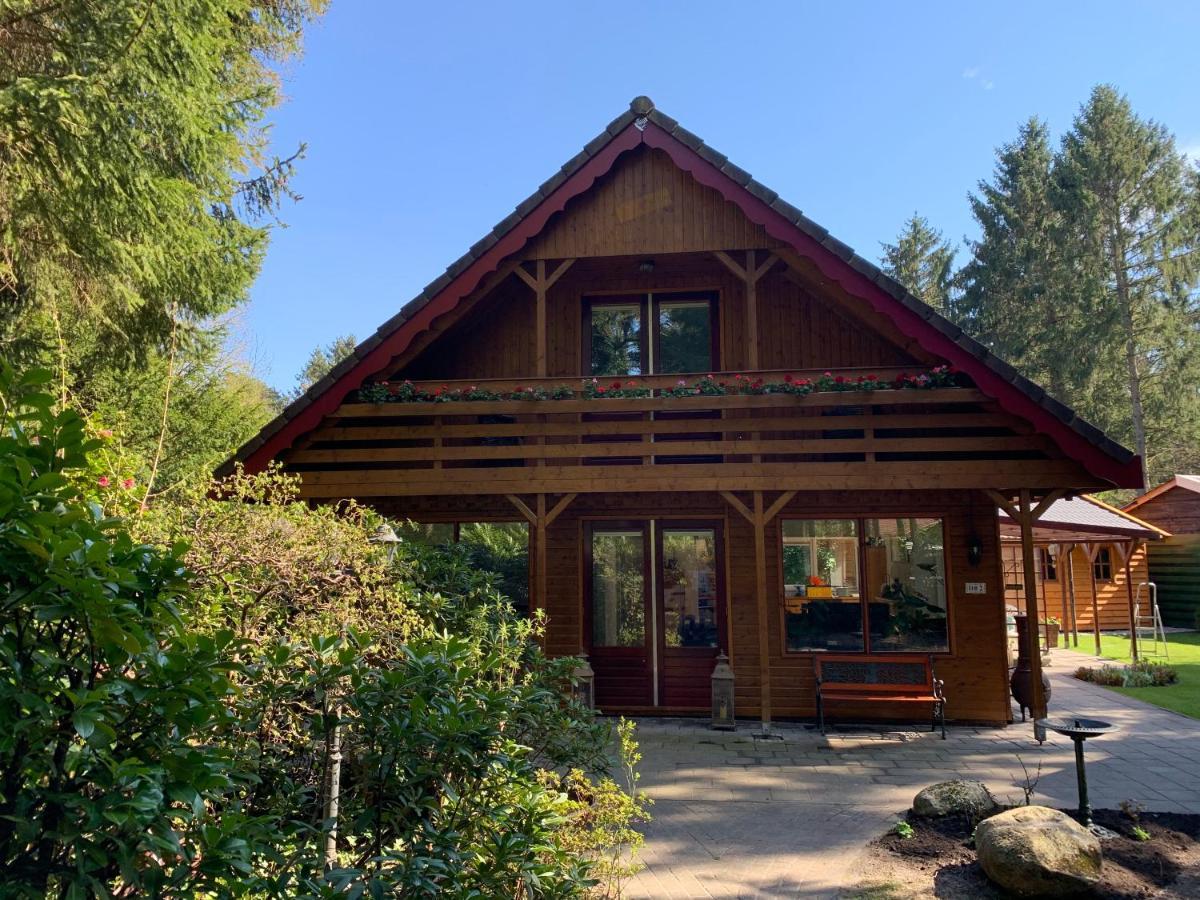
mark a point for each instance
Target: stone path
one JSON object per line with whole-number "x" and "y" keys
{"x": 735, "y": 816}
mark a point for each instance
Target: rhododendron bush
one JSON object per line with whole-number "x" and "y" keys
{"x": 233, "y": 694}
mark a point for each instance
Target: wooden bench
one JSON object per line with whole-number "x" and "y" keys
{"x": 871, "y": 678}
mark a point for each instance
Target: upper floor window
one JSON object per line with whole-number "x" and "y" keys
{"x": 647, "y": 334}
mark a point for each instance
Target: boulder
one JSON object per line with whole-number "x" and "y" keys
{"x": 1034, "y": 851}
{"x": 952, "y": 798}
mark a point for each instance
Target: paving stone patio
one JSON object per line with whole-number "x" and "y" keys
{"x": 736, "y": 816}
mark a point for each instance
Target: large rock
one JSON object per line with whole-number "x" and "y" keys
{"x": 951, "y": 798}
{"x": 1034, "y": 851}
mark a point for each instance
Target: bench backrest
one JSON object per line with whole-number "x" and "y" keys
{"x": 875, "y": 673}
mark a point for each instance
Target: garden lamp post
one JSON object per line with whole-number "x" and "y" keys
{"x": 384, "y": 534}
{"x": 722, "y": 695}
{"x": 584, "y": 682}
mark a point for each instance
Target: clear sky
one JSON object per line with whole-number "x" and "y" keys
{"x": 427, "y": 122}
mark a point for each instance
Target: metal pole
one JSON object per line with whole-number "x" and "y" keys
{"x": 1085, "y": 808}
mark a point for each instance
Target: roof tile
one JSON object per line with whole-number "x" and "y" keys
{"x": 761, "y": 191}
{"x": 737, "y": 173}
{"x": 686, "y": 138}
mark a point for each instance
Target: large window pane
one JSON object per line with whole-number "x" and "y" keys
{"x": 684, "y": 336}
{"x": 822, "y": 604}
{"x": 689, "y": 577}
{"x": 503, "y": 548}
{"x": 618, "y": 589}
{"x": 906, "y": 578}
{"x": 616, "y": 339}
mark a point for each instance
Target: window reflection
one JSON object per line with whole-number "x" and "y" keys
{"x": 689, "y": 577}
{"x": 616, "y": 339}
{"x": 905, "y": 569}
{"x": 684, "y": 336}
{"x": 618, "y": 589}
{"x": 822, "y": 604}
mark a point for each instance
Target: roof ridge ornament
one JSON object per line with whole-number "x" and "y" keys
{"x": 640, "y": 123}
{"x": 641, "y": 105}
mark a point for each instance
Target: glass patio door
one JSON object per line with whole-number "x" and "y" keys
{"x": 690, "y": 610}
{"x": 653, "y": 612}
{"x": 617, "y": 620}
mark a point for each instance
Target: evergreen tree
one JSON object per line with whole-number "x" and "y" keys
{"x": 922, "y": 261}
{"x": 134, "y": 171}
{"x": 1131, "y": 207}
{"x": 1016, "y": 295}
{"x": 321, "y": 362}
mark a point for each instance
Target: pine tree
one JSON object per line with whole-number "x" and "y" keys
{"x": 922, "y": 261}
{"x": 1131, "y": 207}
{"x": 1016, "y": 293}
{"x": 321, "y": 362}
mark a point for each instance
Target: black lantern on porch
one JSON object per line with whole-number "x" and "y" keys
{"x": 722, "y": 695}
{"x": 583, "y": 683}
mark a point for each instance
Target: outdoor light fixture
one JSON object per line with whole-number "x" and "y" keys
{"x": 646, "y": 266}
{"x": 974, "y": 549}
{"x": 583, "y": 683}
{"x": 385, "y": 535}
{"x": 722, "y": 695}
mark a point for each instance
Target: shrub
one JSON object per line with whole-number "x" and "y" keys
{"x": 1142, "y": 673}
{"x": 274, "y": 708}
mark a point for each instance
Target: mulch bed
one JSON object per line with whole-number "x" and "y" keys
{"x": 940, "y": 855}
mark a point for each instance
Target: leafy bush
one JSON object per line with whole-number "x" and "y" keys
{"x": 1142, "y": 673}
{"x": 274, "y": 708}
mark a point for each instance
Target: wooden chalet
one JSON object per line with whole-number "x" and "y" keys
{"x": 725, "y": 431}
{"x": 1174, "y": 562}
{"x": 1090, "y": 564}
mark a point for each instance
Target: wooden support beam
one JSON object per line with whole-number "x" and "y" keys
{"x": 540, "y": 519}
{"x": 1072, "y": 611}
{"x": 539, "y": 283}
{"x": 1091, "y": 550}
{"x": 759, "y": 517}
{"x": 1127, "y": 551}
{"x": 1026, "y": 519}
{"x": 750, "y": 273}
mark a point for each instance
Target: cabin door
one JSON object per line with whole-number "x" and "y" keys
{"x": 653, "y": 612}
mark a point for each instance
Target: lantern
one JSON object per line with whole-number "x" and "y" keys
{"x": 722, "y": 695}
{"x": 583, "y": 683}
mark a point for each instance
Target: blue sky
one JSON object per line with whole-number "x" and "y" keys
{"x": 426, "y": 123}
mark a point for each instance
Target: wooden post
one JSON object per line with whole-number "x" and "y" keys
{"x": 750, "y": 275}
{"x": 1090, "y": 550}
{"x": 1127, "y": 550}
{"x": 540, "y": 521}
{"x": 1074, "y": 632}
{"x": 540, "y": 284}
{"x": 1024, "y": 513}
{"x": 759, "y": 518}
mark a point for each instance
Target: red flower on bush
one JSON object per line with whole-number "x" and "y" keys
{"x": 127, "y": 483}
{"x": 102, "y": 481}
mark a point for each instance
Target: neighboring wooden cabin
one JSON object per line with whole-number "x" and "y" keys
{"x": 1090, "y": 563}
{"x": 725, "y": 431}
{"x": 1175, "y": 562}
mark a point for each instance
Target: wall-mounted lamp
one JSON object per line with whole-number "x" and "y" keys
{"x": 646, "y": 266}
{"x": 974, "y": 548}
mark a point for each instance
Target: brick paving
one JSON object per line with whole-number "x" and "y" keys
{"x": 736, "y": 816}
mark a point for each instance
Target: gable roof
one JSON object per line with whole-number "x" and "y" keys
{"x": 644, "y": 125}
{"x": 1082, "y": 517}
{"x": 1186, "y": 482}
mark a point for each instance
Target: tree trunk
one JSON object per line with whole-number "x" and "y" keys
{"x": 1131, "y": 354}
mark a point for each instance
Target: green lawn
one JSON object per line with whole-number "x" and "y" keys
{"x": 1184, "y": 650}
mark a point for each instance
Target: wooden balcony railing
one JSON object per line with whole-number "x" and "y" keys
{"x": 949, "y": 436}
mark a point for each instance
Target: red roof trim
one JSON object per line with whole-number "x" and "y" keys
{"x": 1092, "y": 458}
{"x": 446, "y": 300}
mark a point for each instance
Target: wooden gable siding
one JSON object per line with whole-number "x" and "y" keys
{"x": 1176, "y": 510}
{"x": 798, "y": 328}
{"x": 646, "y": 204}
{"x": 975, "y": 669}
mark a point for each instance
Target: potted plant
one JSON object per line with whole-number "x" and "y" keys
{"x": 818, "y": 588}
{"x": 1052, "y": 626}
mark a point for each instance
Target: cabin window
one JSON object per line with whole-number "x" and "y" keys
{"x": 877, "y": 585}
{"x": 904, "y": 560}
{"x": 498, "y": 547}
{"x": 618, "y": 588}
{"x": 1049, "y": 564}
{"x": 1102, "y": 565}
{"x": 645, "y": 334}
{"x": 823, "y": 606}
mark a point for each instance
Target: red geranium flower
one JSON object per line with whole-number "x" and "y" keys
{"x": 127, "y": 483}
{"x": 102, "y": 481}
